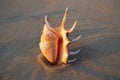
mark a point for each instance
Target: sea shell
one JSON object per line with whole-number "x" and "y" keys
{"x": 54, "y": 42}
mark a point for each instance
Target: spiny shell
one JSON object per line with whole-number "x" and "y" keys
{"x": 54, "y": 42}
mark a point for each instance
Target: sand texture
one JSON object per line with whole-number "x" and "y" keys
{"x": 21, "y": 24}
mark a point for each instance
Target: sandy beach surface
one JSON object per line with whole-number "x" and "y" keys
{"x": 21, "y": 24}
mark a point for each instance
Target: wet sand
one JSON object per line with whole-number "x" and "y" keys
{"x": 21, "y": 24}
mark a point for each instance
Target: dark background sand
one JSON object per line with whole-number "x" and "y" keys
{"x": 21, "y": 23}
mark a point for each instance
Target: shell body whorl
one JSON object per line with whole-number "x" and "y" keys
{"x": 48, "y": 45}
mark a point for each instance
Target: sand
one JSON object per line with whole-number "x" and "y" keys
{"x": 21, "y": 23}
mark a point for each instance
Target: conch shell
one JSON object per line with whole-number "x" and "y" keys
{"x": 54, "y": 42}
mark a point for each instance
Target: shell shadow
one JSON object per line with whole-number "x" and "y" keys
{"x": 50, "y": 67}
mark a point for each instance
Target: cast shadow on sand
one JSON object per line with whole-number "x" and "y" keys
{"x": 50, "y": 67}
{"x": 91, "y": 49}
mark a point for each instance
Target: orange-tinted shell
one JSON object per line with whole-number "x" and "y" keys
{"x": 49, "y": 45}
{"x": 54, "y": 42}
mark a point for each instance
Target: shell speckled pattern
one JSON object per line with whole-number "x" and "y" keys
{"x": 54, "y": 42}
